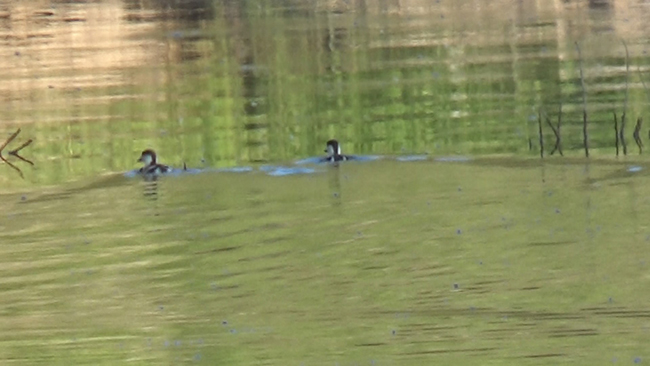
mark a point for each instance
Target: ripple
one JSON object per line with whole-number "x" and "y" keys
{"x": 191, "y": 171}
{"x": 279, "y": 171}
{"x": 453, "y": 159}
{"x": 412, "y": 158}
{"x": 351, "y": 158}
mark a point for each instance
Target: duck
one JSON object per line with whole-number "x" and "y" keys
{"x": 333, "y": 151}
{"x": 151, "y": 166}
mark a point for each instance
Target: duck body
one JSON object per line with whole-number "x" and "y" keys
{"x": 336, "y": 158}
{"x": 155, "y": 169}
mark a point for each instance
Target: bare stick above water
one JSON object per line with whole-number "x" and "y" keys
{"x": 585, "y": 123}
{"x": 621, "y": 135}
{"x": 556, "y": 132}
{"x": 11, "y": 138}
{"x": 616, "y": 132}
{"x": 637, "y": 136}
{"x": 14, "y": 152}
{"x": 541, "y": 135}
{"x": 559, "y": 125}
{"x": 638, "y": 68}
{"x": 627, "y": 93}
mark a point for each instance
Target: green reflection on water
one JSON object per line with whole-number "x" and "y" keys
{"x": 239, "y": 83}
{"x": 498, "y": 261}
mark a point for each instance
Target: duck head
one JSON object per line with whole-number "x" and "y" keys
{"x": 333, "y": 148}
{"x": 148, "y": 157}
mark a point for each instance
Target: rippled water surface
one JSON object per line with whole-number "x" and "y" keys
{"x": 450, "y": 241}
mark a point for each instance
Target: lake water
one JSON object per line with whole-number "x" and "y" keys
{"x": 458, "y": 244}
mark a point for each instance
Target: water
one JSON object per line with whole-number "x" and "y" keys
{"x": 395, "y": 262}
{"x": 451, "y": 242}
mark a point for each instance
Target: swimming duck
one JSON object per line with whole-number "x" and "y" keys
{"x": 151, "y": 167}
{"x": 333, "y": 151}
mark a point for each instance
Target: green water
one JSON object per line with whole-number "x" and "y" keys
{"x": 503, "y": 259}
{"x": 496, "y": 261}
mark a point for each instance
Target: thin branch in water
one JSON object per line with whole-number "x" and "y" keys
{"x": 585, "y": 133}
{"x": 621, "y": 135}
{"x": 585, "y": 121}
{"x": 541, "y": 135}
{"x": 11, "y": 138}
{"x": 556, "y": 132}
{"x": 548, "y": 122}
{"x": 13, "y": 166}
{"x": 558, "y": 146}
{"x": 616, "y": 132}
{"x": 638, "y": 68}
{"x": 14, "y": 152}
{"x": 637, "y": 137}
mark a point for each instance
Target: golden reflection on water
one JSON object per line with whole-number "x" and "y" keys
{"x": 410, "y": 263}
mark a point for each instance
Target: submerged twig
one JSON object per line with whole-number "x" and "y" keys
{"x": 585, "y": 131}
{"x": 636, "y": 134}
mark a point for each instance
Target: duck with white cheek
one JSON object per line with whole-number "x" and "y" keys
{"x": 333, "y": 151}
{"x": 151, "y": 166}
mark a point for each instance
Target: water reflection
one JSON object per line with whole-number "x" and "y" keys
{"x": 334, "y": 184}
{"x": 150, "y": 187}
{"x": 232, "y": 83}
{"x": 448, "y": 240}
